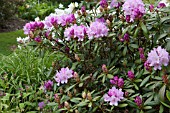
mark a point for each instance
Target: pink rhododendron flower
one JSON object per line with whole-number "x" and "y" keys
{"x": 75, "y": 32}
{"x": 133, "y": 9}
{"x": 63, "y": 75}
{"x": 66, "y": 19}
{"x": 114, "y": 96}
{"x": 158, "y": 57}
{"x": 161, "y": 5}
{"x": 115, "y": 4}
{"x": 33, "y": 26}
{"x": 97, "y": 30}
{"x": 151, "y": 8}
{"x": 131, "y": 75}
{"x": 103, "y": 3}
{"x": 48, "y": 85}
{"x": 138, "y": 101}
{"x": 50, "y": 21}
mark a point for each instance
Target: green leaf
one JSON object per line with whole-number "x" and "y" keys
{"x": 82, "y": 104}
{"x": 70, "y": 87}
{"x": 76, "y": 100}
{"x": 162, "y": 92}
{"x": 81, "y": 84}
{"x": 122, "y": 105}
{"x": 164, "y": 19}
{"x": 21, "y": 105}
{"x": 144, "y": 81}
{"x": 104, "y": 78}
{"x": 168, "y": 94}
{"x": 96, "y": 98}
{"x": 52, "y": 104}
{"x": 134, "y": 46}
{"x": 124, "y": 51}
{"x": 110, "y": 76}
{"x": 161, "y": 109}
{"x": 148, "y": 107}
{"x": 166, "y": 105}
{"x": 144, "y": 29}
{"x": 162, "y": 36}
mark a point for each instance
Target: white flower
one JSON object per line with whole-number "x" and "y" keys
{"x": 37, "y": 19}
{"x": 61, "y": 5}
{"x": 76, "y": 4}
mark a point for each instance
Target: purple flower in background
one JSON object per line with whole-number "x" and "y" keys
{"x": 131, "y": 75}
{"x": 97, "y": 30}
{"x": 103, "y": 3}
{"x": 41, "y": 105}
{"x": 161, "y": 5}
{"x": 48, "y": 85}
{"x": 158, "y": 57}
{"x": 151, "y": 7}
{"x": 115, "y": 4}
{"x": 120, "y": 82}
{"x": 146, "y": 65}
{"x": 63, "y": 75}
{"x": 114, "y": 96}
{"x": 133, "y": 9}
{"x": 138, "y": 101}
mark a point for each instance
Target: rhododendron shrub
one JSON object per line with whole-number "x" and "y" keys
{"x": 118, "y": 53}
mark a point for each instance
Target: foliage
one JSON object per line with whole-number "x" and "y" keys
{"x": 97, "y": 62}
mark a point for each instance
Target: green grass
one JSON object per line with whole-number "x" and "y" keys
{"x": 8, "y": 39}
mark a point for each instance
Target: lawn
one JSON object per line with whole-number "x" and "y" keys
{"x": 8, "y": 39}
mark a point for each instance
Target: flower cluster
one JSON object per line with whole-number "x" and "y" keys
{"x": 75, "y": 32}
{"x": 32, "y": 27}
{"x": 133, "y": 9}
{"x": 63, "y": 75}
{"x": 117, "y": 81}
{"x": 115, "y": 4}
{"x": 158, "y": 57}
{"x": 103, "y": 3}
{"x": 114, "y": 96}
{"x": 97, "y": 30}
{"x": 63, "y": 20}
{"x": 23, "y": 40}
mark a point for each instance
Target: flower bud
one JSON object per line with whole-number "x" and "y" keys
{"x": 77, "y": 57}
{"x": 108, "y": 22}
{"x": 77, "y": 111}
{"x": 61, "y": 90}
{"x": 69, "y": 94}
{"x": 66, "y": 104}
{"x": 57, "y": 98}
{"x": 78, "y": 11}
{"x": 89, "y": 96}
{"x": 84, "y": 94}
{"x": 75, "y": 91}
{"x": 104, "y": 68}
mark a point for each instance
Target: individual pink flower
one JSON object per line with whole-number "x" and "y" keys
{"x": 97, "y": 30}
{"x": 63, "y": 75}
{"x": 50, "y": 21}
{"x": 114, "y": 96}
{"x": 41, "y": 105}
{"x": 38, "y": 39}
{"x": 158, "y": 57}
{"x": 133, "y": 9}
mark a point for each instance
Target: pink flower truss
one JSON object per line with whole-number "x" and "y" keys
{"x": 117, "y": 81}
{"x": 66, "y": 19}
{"x": 97, "y": 30}
{"x": 50, "y": 21}
{"x": 114, "y": 96}
{"x": 158, "y": 57}
{"x": 75, "y": 32}
{"x": 63, "y": 75}
{"x": 115, "y": 4}
{"x": 32, "y": 26}
{"x": 133, "y": 9}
